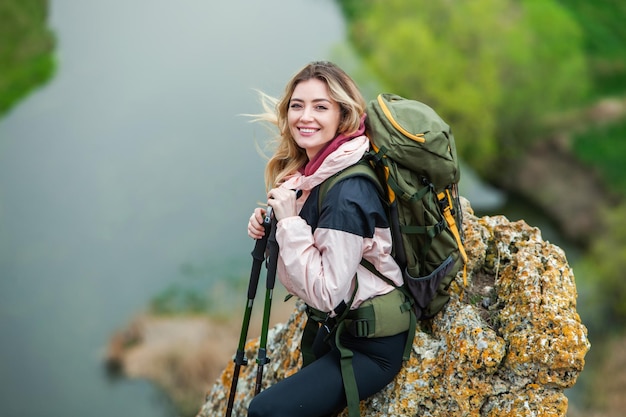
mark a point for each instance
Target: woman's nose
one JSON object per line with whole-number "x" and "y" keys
{"x": 307, "y": 114}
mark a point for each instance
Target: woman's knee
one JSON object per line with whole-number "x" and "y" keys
{"x": 259, "y": 407}
{"x": 254, "y": 410}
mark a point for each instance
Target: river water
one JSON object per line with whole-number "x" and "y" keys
{"x": 132, "y": 162}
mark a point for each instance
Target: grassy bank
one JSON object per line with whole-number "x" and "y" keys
{"x": 26, "y": 50}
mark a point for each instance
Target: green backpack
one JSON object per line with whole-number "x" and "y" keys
{"x": 413, "y": 161}
{"x": 414, "y": 164}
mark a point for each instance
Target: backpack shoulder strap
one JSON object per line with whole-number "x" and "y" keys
{"x": 360, "y": 169}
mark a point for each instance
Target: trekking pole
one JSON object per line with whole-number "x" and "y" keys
{"x": 262, "y": 358}
{"x": 258, "y": 255}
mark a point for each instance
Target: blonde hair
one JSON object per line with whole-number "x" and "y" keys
{"x": 288, "y": 157}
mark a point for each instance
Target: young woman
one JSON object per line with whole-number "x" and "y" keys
{"x": 321, "y": 123}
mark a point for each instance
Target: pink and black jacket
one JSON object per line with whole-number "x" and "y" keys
{"x": 321, "y": 249}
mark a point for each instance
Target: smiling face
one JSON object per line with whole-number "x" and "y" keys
{"x": 313, "y": 117}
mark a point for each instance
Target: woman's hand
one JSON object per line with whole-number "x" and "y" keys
{"x": 255, "y": 224}
{"x": 283, "y": 202}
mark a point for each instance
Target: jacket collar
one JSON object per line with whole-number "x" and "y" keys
{"x": 348, "y": 153}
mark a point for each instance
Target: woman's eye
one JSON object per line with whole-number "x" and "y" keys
{"x": 295, "y": 106}
{"x": 321, "y": 108}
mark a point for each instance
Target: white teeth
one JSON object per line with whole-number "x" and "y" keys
{"x": 307, "y": 130}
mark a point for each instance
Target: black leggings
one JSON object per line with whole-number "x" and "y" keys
{"x": 317, "y": 390}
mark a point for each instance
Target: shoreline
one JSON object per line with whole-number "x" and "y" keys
{"x": 184, "y": 354}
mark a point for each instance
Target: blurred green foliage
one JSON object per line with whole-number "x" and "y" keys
{"x": 498, "y": 70}
{"x": 492, "y": 68}
{"x": 206, "y": 288}
{"x": 604, "y": 266}
{"x": 602, "y": 22}
{"x": 604, "y": 148}
{"x": 26, "y": 49}
{"x": 177, "y": 299}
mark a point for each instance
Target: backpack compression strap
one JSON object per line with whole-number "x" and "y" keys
{"x": 454, "y": 228}
{"x": 430, "y": 232}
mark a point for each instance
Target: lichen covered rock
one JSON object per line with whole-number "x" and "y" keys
{"x": 507, "y": 344}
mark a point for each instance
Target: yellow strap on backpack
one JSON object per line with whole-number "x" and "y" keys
{"x": 454, "y": 228}
{"x": 418, "y": 137}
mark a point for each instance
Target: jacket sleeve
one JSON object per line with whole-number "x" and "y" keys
{"x": 317, "y": 267}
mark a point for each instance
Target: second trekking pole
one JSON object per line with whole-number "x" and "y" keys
{"x": 262, "y": 359}
{"x": 258, "y": 255}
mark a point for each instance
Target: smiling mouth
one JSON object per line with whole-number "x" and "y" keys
{"x": 307, "y": 130}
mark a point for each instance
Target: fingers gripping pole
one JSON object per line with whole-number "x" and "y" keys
{"x": 258, "y": 255}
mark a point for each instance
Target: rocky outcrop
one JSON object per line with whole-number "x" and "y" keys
{"x": 508, "y": 344}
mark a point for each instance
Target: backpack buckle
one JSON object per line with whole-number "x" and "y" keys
{"x": 329, "y": 325}
{"x": 359, "y": 328}
{"x": 439, "y": 227}
{"x": 443, "y": 198}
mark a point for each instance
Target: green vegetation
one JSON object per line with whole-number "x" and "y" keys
{"x": 492, "y": 68}
{"x": 605, "y": 42}
{"x": 499, "y": 71}
{"x": 604, "y": 266}
{"x": 176, "y": 300}
{"x": 203, "y": 289}
{"x": 26, "y": 49}
{"x": 604, "y": 148}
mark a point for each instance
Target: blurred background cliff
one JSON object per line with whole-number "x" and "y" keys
{"x": 127, "y": 173}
